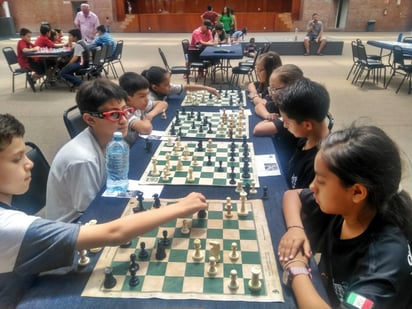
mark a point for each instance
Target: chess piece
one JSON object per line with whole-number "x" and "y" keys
{"x": 253, "y": 188}
{"x": 228, "y": 202}
{"x": 134, "y": 280}
{"x": 201, "y": 214}
{"x": 148, "y": 145}
{"x": 190, "y": 175}
{"x": 209, "y": 160}
{"x": 164, "y": 116}
{"x": 179, "y": 165}
{"x": 212, "y": 272}
{"x": 239, "y": 187}
{"x": 234, "y": 254}
{"x": 254, "y": 284}
{"x": 228, "y": 213}
{"x": 165, "y": 240}
{"x": 156, "y": 201}
{"x": 194, "y": 162}
{"x": 133, "y": 262}
{"x": 155, "y": 172}
{"x": 83, "y": 258}
{"x": 185, "y": 227}
{"x": 140, "y": 199}
{"x": 220, "y": 168}
{"x": 233, "y": 284}
{"x": 242, "y": 212}
{"x": 265, "y": 193}
{"x": 215, "y": 250}
{"x": 160, "y": 252}
{"x": 197, "y": 256}
{"x": 143, "y": 254}
{"x": 109, "y": 280}
{"x": 165, "y": 177}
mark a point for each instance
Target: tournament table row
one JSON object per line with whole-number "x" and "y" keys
{"x": 57, "y": 291}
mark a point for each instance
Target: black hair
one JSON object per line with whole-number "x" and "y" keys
{"x": 368, "y": 156}
{"x": 93, "y": 94}
{"x": 209, "y": 7}
{"x": 155, "y": 75}
{"x": 132, "y": 82}
{"x": 44, "y": 29}
{"x": 101, "y": 28}
{"x": 303, "y": 100}
{"x": 76, "y": 33}
{"x": 10, "y": 127}
{"x": 24, "y": 31}
{"x": 288, "y": 73}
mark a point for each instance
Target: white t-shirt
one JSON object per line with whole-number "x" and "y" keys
{"x": 76, "y": 175}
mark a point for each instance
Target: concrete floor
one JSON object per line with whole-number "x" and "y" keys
{"x": 41, "y": 112}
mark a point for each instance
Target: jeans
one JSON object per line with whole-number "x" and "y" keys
{"x": 68, "y": 71}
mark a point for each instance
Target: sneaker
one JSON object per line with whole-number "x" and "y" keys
{"x": 31, "y": 82}
{"x": 306, "y": 54}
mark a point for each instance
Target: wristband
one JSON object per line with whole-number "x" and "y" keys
{"x": 293, "y": 261}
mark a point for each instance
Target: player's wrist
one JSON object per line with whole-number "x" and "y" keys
{"x": 295, "y": 262}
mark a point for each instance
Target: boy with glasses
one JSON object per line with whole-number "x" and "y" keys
{"x": 78, "y": 171}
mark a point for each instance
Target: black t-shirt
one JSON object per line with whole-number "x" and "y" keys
{"x": 376, "y": 265}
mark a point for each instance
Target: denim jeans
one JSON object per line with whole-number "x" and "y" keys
{"x": 68, "y": 73}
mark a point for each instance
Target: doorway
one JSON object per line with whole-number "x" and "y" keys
{"x": 342, "y": 14}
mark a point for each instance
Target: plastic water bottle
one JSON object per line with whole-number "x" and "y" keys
{"x": 117, "y": 165}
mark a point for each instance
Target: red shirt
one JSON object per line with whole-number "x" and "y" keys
{"x": 21, "y": 58}
{"x": 44, "y": 41}
{"x": 211, "y": 15}
{"x": 198, "y": 36}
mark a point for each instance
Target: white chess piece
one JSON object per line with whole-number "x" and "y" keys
{"x": 215, "y": 250}
{"x": 242, "y": 212}
{"x": 212, "y": 267}
{"x": 197, "y": 256}
{"x": 254, "y": 284}
{"x": 234, "y": 254}
{"x": 190, "y": 175}
{"x": 185, "y": 227}
{"x": 233, "y": 284}
{"x": 228, "y": 213}
{"x": 83, "y": 258}
{"x": 155, "y": 172}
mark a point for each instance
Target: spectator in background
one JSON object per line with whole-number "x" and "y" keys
{"x": 239, "y": 34}
{"x": 107, "y": 24}
{"x": 211, "y": 15}
{"x": 315, "y": 33}
{"x": 233, "y": 25}
{"x": 87, "y": 22}
{"x": 226, "y": 19}
{"x": 222, "y": 37}
{"x": 103, "y": 37}
{"x": 250, "y": 49}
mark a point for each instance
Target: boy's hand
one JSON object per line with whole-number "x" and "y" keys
{"x": 193, "y": 202}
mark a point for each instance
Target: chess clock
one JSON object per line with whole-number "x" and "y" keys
{"x": 291, "y": 272}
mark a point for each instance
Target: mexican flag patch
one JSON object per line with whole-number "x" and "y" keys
{"x": 358, "y": 301}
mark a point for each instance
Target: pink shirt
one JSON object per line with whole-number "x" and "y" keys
{"x": 198, "y": 36}
{"x": 87, "y": 25}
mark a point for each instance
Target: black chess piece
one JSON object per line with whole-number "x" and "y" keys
{"x": 148, "y": 145}
{"x": 177, "y": 119}
{"x": 232, "y": 156}
{"x": 156, "y": 201}
{"x": 205, "y": 121}
{"x": 232, "y": 180}
{"x": 265, "y": 193}
{"x": 183, "y": 111}
{"x": 220, "y": 168}
{"x": 199, "y": 116}
{"x": 201, "y": 214}
{"x": 134, "y": 280}
{"x": 140, "y": 199}
{"x": 209, "y": 160}
{"x": 231, "y": 101}
{"x": 126, "y": 244}
{"x": 192, "y": 113}
{"x": 193, "y": 125}
{"x": 246, "y": 169}
{"x": 165, "y": 240}
{"x": 210, "y": 131}
{"x": 200, "y": 145}
{"x": 143, "y": 254}
{"x": 210, "y": 96}
{"x": 172, "y": 129}
{"x": 109, "y": 280}
{"x": 133, "y": 261}
{"x": 247, "y": 189}
{"x": 179, "y": 132}
{"x": 160, "y": 252}
{"x": 200, "y": 128}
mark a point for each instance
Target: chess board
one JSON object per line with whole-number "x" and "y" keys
{"x": 228, "y": 98}
{"x": 178, "y": 276}
{"x": 213, "y": 171}
{"x": 226, "y": 124}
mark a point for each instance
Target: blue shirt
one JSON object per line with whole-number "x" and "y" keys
{"x": 105, "y": 38}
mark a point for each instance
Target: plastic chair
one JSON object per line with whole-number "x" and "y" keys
{"x": 34, "y": 199}
{"x": 246, "y": 69}
{"x": 15, "y": 69}
{"x": 399, "y": 66}
{"x": 174, "y": 69}
{"x": 73, "y": 121}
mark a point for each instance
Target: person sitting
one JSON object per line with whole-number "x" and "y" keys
{"x": 161, "y": 87}
{"x": 304, "y": 107}
{"x": 103, "y": 37}
{"x": 239, "y": 34}
{"x": 222, "y": 37}
{"x": 356, "y": 215}
{"x": 43, "y": 40}
{"x": 24, "y": 45}
{"x": 31, "y": 245}
{"x": 315, "y": 33}
{"x": 250, "y": 49}
{"x": 80, "y": 59}
{"x": 137, "y": 88}
{"x": 78, "y": 170}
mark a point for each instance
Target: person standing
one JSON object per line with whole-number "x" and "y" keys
{"x": 315, "y": 33}
{"x": 226, "y": 19}
{"x": 87, "y": 22}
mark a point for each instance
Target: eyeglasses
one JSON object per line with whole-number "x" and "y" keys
{"x": 114, "y": 115}
{"x": 273, "y": 90}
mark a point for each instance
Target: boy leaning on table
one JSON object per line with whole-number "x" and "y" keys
{"x": 31, "y": 245}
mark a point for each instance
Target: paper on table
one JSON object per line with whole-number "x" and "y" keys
{"x": 134, "y": 186}
{"x": 267, "y": 165}
{"x": 155, "y": 134}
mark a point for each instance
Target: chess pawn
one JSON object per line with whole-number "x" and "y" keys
{"x": 179, "y": 165}
{"x": 228, "y": 202}
{"x": 212, "y": 272}
{"x": 239, "y": 187}
{"x": 185, "y": 227}
{"x": 253, "y": 189}
{"x": 155, "y": 172}
{"x": 254, "y": 284}
{"x": 109, "y": 280}
{"x": 233, "y": 284}
{"x": 228, "y": 213}
{"x": 194, "y": 162}
{"x": 197, "y": 256}
{"x": 190, "y": 175}
{"x": 234, "y": 254}
{"x": 242, "y": 212}
{"x": 83, "y": 259}
{"x": 165, "y": 174}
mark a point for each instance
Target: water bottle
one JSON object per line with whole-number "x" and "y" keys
{"x": 296, "y": 34}
{"x": 117, "y": 165}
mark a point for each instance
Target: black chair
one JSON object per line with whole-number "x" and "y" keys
{"x": 175, "y": 69}
{"x": 194, "y": 62}
{"x": 116, "y": 58}
{"x": 73, "y": 121}
{"x": 34, "y": 199}
{"x": 400, "y": 67}
{"x": 15, "y": 69}
{"x": 245, "y": 69}
{"x": 370, "y": 65}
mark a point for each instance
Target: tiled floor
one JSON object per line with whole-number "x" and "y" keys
{"x": 41, "y": 112}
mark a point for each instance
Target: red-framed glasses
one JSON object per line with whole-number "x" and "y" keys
{"x": 114, "y": 115}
